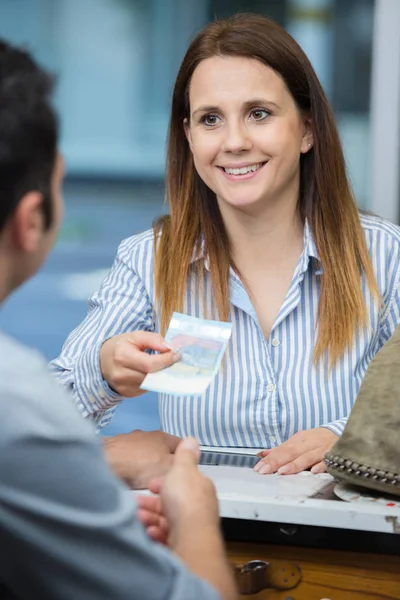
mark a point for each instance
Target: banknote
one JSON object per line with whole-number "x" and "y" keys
{"x": 201, "y": 344}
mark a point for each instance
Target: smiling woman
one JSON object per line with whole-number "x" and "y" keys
{"x": 263, "y": 231}
{"x": 240, "y": 139}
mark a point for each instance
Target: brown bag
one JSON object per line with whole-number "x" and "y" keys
{"x": 368, "y": 452}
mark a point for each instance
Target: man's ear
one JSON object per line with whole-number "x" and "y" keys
{"x": 186, "y": 127}
{"x": 28, "y": 222}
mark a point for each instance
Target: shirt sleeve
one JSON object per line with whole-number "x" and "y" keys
{"x": 67, "y": 526}
{"x": 121, "y": 305}
{"x": 391, "y": 317}
{"x": 337, "y": 426}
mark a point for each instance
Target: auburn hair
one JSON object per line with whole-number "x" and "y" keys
{"x": 325, "y": 196}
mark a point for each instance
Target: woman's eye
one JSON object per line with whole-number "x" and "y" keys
{"x": 210, "y": 120}
{"x": 259, "y": 114}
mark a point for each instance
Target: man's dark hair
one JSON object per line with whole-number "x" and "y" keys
{"x": 28, "y": 131}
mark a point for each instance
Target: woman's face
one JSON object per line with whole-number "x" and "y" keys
{"x": 245, "y": 132}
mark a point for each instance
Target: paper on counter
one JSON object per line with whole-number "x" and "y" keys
{"x": 201, "y": 344}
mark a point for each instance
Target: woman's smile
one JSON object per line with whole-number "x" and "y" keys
{"x": 242, "y": 171}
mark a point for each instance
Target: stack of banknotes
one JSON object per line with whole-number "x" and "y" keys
{"x": 201, "y": 344}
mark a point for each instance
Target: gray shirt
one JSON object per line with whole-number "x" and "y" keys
{"x": 67, "y": 526}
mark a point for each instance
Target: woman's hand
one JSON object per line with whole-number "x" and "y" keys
{"x": 304, "y": 450}
{"x": 124, "y": 362}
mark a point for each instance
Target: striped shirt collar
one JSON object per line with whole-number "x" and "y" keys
{"x": 310, "y": 249}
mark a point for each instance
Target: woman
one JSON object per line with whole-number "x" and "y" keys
{"x": 263, "y": 231}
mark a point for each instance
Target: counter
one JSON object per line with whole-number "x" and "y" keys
{"x": 303, "y": 499}
{"x": 291, "y": 538}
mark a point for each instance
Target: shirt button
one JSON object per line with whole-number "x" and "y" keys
{"x": 275, "y": 342}
{"x": 92, "y": 399}
{"x": 270, "y": 387}
{"x": 272, "y": 438}
{"x": 102, "y": 393}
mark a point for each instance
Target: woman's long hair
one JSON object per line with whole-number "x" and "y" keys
{"x": 326, "y": 200}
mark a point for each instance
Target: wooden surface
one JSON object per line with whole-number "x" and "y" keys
{"x": 326, "y": 574}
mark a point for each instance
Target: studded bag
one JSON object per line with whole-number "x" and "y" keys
{"x": 368, "y": 452}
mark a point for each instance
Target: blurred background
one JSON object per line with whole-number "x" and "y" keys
{"x": 115, "y": 61}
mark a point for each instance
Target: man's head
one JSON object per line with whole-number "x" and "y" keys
{"x": 31, "y": 170}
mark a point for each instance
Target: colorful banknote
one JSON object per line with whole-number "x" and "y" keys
{"x": 201, "y": 344}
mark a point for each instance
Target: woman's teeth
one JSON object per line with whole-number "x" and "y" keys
{"x": 243, "y": 170}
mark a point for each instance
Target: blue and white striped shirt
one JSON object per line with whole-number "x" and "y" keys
{"x": 267, "y": 389}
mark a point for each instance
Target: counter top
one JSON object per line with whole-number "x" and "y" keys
{"x": 302, "y": 499}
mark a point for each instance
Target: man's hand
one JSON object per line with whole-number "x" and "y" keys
{"x": 184, "y": 494}
{"x": 187, "y": 496}
{"x": 303, "y": 450}
{"x": 149, "y": 512}
{"x": 186, "y": 515}
{"x": 139, "y": 456}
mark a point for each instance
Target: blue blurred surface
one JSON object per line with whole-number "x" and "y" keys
{"x": 44, "y": 311}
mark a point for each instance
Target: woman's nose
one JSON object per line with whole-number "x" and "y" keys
{"x": 236, "y": 139}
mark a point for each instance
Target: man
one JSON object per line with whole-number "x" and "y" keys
{"x": 67, "y": 525}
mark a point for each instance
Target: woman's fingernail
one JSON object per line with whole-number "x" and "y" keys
{"x": 284, "y": 470}
{"x": 263, "y": 453}
{"x": 315, "y": 470}
{"x": 265, "y": 469}
{"x": 177, "y": 357}
{"x": 167, "y": 346}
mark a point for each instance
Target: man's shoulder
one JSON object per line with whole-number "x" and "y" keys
{"x": 18, "y": 360}
{"x": 30, "y": 397}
